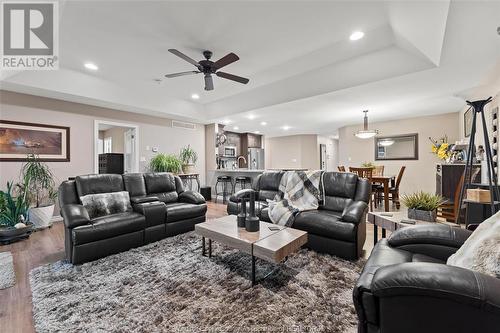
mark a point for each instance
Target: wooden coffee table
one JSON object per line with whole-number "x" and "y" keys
{"x": 270, "y": 245}
{"x": 392, "y": 221}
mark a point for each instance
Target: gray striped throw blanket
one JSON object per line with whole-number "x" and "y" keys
{"x": 298, "y": 191}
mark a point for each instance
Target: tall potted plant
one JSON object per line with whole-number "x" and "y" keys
{"x": 165, "y": 163}
{"x": 188, "y": 158}
{"x": 422, "y": 206}
{"x": 39, "y": 185}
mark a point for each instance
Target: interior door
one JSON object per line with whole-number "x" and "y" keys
{"x": 129, "y": 151}
{"x": 322, "y": 156}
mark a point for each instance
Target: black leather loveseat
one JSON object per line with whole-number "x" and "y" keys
{"x": 406, "y": 286}
{"x": 159, "y": 208}
{"x": 338, "y": 226}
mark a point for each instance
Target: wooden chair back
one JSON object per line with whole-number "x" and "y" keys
{"x": 400, "y": 176}
{"x": 378, "y": 170}
{"x": 341, "y": 168}
{"x": 362, "y": 172}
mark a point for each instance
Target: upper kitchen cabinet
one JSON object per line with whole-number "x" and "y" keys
{"x": 254, "y": 140}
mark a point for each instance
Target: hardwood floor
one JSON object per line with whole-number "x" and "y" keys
{"x": 47, "y": 246}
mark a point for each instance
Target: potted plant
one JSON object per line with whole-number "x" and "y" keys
{"x": 422, "y": 205}
{"x": 13, "y": 213}
{"x": 368, "y": 165}
{"x": 165, "y": 163}
{"x": 188, "y": 158}
{"x": 39, "y": 185}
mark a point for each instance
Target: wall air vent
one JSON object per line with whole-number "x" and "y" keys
{"x": 183, "y": 125}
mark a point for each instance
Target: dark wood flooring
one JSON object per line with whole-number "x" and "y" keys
{"x": 47, "y": 246}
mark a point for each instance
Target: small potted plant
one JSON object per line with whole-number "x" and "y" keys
{"x": 188, "y": 158}
{"x": 422, "y": 205}
{"x": 368, "y": 165}
{"x": 13, "y": 214}
{"x": 39, "y": 185}
{"x": 165, "y": 163}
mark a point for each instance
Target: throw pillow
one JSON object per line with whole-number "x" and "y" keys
{"x": 102, "y": 204}
{"x": 481, "y": 251}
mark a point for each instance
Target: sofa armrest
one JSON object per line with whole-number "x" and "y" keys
{"x": 140, "y": 200}
{"x": 245, "y": 193}
{"x": 438, "y": 281}
{"x": 74, "y": 215}
{"x": 191, "y": 197}
{"x": 354, "y": 212}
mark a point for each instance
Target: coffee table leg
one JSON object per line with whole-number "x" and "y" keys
{"x": 375, "y": 234}
{"x": 209, "y": 248}
{"x": 253, "y": 270}
{"x": 203, "y": 246}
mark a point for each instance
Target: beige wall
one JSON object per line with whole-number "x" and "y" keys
{"x": 117, "y": 135}
{"x": 419, "y": 174}
{"x": 153, "y": 132}
{"x": 294, "y": 151}
{"x": 479, "y": 127}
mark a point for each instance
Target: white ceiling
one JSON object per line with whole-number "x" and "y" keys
{"x": 417, "y": 58}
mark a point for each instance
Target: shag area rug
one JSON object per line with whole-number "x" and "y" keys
{"x": 7, "y": 274}
{"x": 168, "y": 286}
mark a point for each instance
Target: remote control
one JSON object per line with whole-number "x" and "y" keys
{"x": 408, "y": 221}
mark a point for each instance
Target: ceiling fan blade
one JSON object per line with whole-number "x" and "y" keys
{"x": 181, "y": 74}
{"x": 226, "y": 60}
{"x": 209, "y": 82}
{"x": 183, "y": 56}
{"x": 232, "y": 77}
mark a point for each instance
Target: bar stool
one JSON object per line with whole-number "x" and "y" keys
{"x": 225, "y": 181}
{"x": 243, "y": 181}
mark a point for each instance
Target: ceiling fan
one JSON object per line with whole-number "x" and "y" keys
{"x": 208, "y": 68}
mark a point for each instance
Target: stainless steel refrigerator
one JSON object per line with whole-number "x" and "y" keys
{"x": 256, "y": 158}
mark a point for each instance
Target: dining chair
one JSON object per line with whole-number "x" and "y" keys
{"x": 378, "y": 170}
{"x": 341, "y": 168}
{"x": 393, "y": 191}
{"x": 365, "y": 173}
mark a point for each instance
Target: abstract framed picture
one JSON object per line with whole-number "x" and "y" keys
{"x": 468, "y": 122}
{"x": 18, "y": 140}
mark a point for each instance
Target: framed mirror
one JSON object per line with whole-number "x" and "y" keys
{"x": 396, "y": 147}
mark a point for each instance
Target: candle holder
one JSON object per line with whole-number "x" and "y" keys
{"x": 252, "y": 223}
{"x": 242, "y": 216}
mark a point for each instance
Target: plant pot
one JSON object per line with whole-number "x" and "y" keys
{"x": 10, "y": 234}
{"x": 422, "y": 215}
{"x": 188, "y": 168}
{"x": 41, "y": 216}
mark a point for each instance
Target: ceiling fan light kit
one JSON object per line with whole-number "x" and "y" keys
{"x": 366, "y": 133}
{"x": 208, "y": 67}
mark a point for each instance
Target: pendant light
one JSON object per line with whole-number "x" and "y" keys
{"x": 366, "y": 133}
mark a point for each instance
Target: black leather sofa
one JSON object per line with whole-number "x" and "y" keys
{"x": 338, "y": 227}
{"x": 406, "y": 286}
{"x": 161, "y": 208}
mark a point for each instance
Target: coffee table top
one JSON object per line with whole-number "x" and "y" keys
{"x": 270, "y": 245}
{"x": 393, "y": 222}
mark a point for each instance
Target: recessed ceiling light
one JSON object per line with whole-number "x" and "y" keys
{"x": 251, "y": 116}
{"x": 263, "y": 123}
{"x": 226, "y": 121}
{"x": 356, "y": 35}
{"x": 236, "y": 128}
{"x": 257, "y": 132}
{"x": 91, "y": 66}
{"x": 195, "y": 96}
{"x": 286, "y": 127}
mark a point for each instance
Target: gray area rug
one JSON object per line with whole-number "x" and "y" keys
{"x": 168, "y": 286}
{"x": 7, "y": 274}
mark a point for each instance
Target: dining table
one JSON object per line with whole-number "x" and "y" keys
{"x": 387, "y": 182}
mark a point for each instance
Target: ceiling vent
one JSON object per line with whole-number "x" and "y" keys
{"x": 183, "y": 125}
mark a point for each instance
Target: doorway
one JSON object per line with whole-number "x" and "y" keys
{"x": 116, "y": 148}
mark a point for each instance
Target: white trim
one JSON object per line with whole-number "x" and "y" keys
{"x": 98, "y": 122}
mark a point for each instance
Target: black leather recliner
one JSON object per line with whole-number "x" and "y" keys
{"x": 338, "y": 227}
{"x": 161, "y": 208}
{"x": 406, "y": 286}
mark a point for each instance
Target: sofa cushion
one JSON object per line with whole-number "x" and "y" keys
{"x": 107, "y": 227}
{"x": 326, "y": 224}
{"x": 339, "y": 190}
{"x": 182, "y": 211}
{"x": 135, "y": 185}
{"x": 159, "y": 182}
{"x": 166, "y": 197}
{"x": 102, "y": 204}
{"x": 103, "y": 183}
{"x": 269, "y": 183}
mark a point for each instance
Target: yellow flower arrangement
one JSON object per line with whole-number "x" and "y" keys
{"x": 441, "y": 148}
